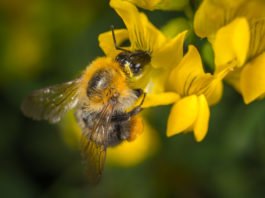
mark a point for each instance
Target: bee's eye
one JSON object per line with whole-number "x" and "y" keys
{"x": 98, "y": 82}
{"x": 136, "y": 68}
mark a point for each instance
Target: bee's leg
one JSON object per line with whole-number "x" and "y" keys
{"x": 121, "y": 117}
{"x": 126, "y": 116}
{"x": 138, "y": 92}
{"x": 138, "y": 108}
{"x": 136, "y": 128}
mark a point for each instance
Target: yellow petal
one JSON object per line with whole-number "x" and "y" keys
{"x": 146, "y": 4}
{"x": 106, "y": 41}
{"x": 208, "y": 18}
{"x": 172, "y": 4}
{"x": 233, "y": 78}
{"x": 253, "y": 9}
{"x": 208, "y": 85}
{"x": 216, "y": 93}
{"x": 170, "y": 53}
{"x": 183, "y": 75}
{"x": 183, "y": 115}
{"x": 161, "y": 4}
{"x": 164, "y": 98}
{"x": 253, "y": 79}
{"x": 232, "y": 42}
{"x": 201, "y": 124}
{"x": 213, "y": 14}
{"x": 143, "y": 35}
{"x": 132, "y": 153}
{"x": 257, "y": 41}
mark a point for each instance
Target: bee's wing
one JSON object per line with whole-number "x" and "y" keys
{"x": 51, "y": 103}
{"x": 94, "y": 153}
{"x": 94, "y": 157}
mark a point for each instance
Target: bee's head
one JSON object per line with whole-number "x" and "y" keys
{"x": 133, "y": 63}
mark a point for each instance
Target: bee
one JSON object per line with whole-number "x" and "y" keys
{"x": 106, "y": 106}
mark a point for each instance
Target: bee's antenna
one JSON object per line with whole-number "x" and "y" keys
{"x": 115, "y": 42}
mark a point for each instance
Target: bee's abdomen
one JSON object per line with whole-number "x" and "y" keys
{"x": 101, "y": 131}
{"x": 120, "y": 132}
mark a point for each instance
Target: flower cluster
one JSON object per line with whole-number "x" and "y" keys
{"x": 235, "y": 31}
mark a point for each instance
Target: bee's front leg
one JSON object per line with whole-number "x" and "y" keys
{"x": 138, "y": 92}
{"x": 121, "y": 117}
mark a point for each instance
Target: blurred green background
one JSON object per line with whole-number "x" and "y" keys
{"x": 45, "y": 42}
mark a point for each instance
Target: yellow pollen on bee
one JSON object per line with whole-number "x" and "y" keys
{"x": 128, "y": 70}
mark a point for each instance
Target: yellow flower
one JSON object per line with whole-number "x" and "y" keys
{"x": 165, "y": 52}
{"x": 236, "y": 30}
{"x": 197, "y": 90}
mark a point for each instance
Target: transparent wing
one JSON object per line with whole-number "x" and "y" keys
{"x": 51, "y": 103}
{"x": 94, "y": 156}
{"x": 94, "y": 145}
